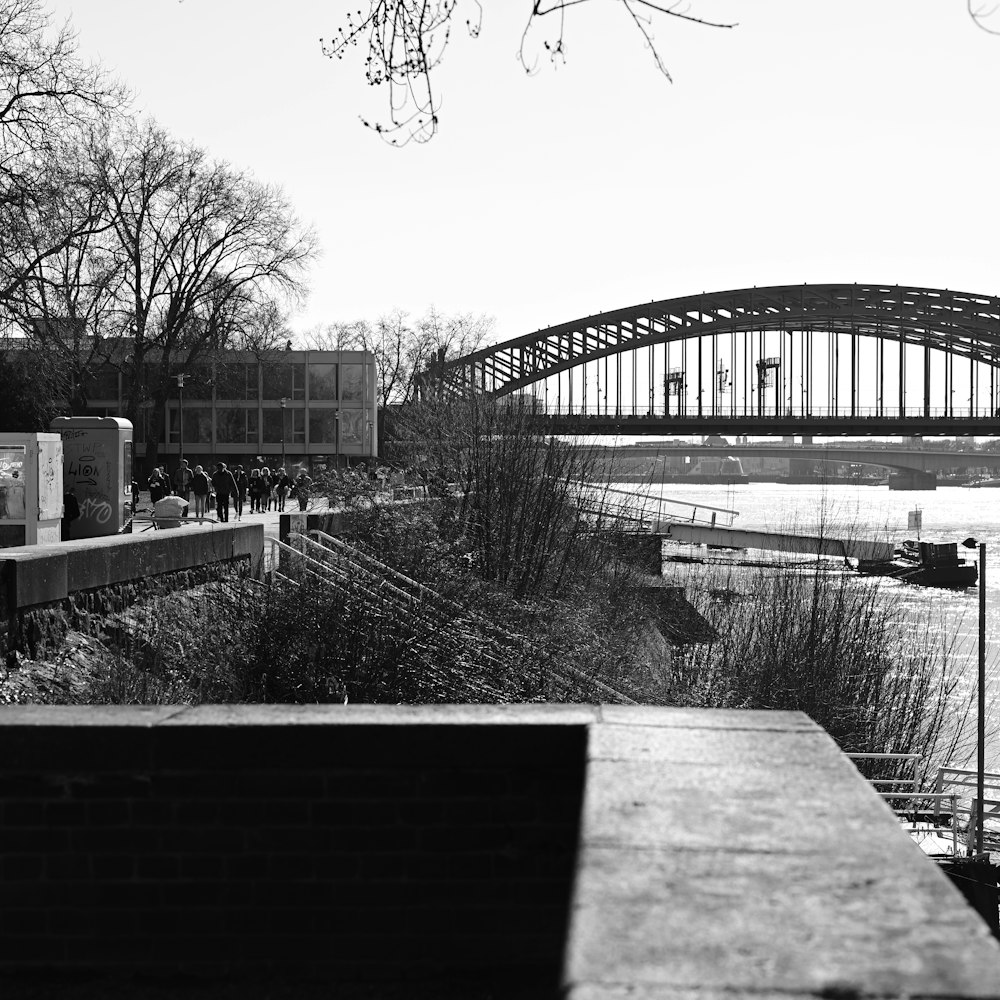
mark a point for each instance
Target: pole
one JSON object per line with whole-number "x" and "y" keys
{"x": 981, "y": 742}
{"x": 284, "y": 400}
{"x": 180, "y": 418}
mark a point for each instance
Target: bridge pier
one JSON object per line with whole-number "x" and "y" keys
{"x": 912, "y": 479}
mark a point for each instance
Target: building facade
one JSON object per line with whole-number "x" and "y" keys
{"x": 312, "y": 409}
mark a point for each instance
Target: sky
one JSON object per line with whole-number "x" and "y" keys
{"x": 847, "y": 141}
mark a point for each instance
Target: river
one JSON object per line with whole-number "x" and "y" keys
{"x": 949, "y": 514}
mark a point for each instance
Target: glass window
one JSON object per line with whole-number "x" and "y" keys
{"x": 298, "y": 381}
{"x": 197, "y": 424}
{"x": 322, "y": 427}
{"x": 352, "y": 389}
{"x": 272, "y": 425}
{"x": 235, "y": 425}
{"x": 323, "y": 382}
{"x": 297, "y": 425}
{"x": 277, "y": 379}
{"x": 351, "y": 425}
{"x": 235, "y": 380}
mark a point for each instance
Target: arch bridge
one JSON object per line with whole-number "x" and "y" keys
{"x": 787, "y": 359}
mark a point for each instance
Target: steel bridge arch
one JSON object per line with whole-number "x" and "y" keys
{"x": 961, "y": 323}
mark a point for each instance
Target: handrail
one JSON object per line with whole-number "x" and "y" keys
{"x": 967, "y": 778}
{"x": 434, "y": 604}
{"x": 937, "y": 798}
{"x": 888, "y": 795}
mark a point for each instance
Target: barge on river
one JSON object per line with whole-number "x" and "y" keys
{"x": 927, "y": 564}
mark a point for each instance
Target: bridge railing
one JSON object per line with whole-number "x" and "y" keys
{"x": 596, "y": 410}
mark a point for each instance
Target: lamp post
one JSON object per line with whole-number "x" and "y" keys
{"x": 971, "y": 543}
{"x": 180, "y": 418}
{"x": 284, "y": 401}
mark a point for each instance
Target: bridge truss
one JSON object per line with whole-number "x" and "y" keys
{"x": 815, "y": 352}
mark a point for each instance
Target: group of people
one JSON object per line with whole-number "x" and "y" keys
{"x": 267, "y": 489}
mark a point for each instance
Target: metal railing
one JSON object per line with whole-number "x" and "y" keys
{"x": 643, "y": 509}
{"x": 895, "y": 791}
{"x": 441, "y": 625}
{"x": 966, "y": 780}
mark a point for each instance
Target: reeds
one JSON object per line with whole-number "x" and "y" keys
{"x": 835, "y": 647}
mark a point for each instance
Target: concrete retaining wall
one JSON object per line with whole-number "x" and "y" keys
{"x": 445, "y": 851}
{"x": 306, "y": 842}
{"x": 46, "y": 580}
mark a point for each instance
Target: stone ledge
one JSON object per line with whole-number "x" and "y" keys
{"x": 742, "y": 855}
{"x": 720, "y": 855}
{"x": 32, "y": 574}
{"x": 297, "y": 715}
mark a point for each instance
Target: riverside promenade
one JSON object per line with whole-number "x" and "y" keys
{"x": 571, "y": 851}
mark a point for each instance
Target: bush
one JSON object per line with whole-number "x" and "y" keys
{"x": 832, "y": 646}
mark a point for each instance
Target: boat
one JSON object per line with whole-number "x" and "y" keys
{"x": 979, "y": 483}
{"x": 927, "y": 564}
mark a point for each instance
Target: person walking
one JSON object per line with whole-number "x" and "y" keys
{"x": 199, "y": 487}
{"x": 240, "y": 496}
{"x": 181, "y": 482}
{"x": 266, "y": 488}
{"x": 253, "y": 488}
{"x": 225, "y": 487}
{"x": 157, "y": 485}
{"x": 281, "y": 488}
{"x": 302, "y": 484}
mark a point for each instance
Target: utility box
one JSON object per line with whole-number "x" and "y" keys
{"x": 97, "y": 466}
{"x": 31, "y": 489}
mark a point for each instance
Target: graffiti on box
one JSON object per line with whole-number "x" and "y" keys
{"x": 88, "y": 473}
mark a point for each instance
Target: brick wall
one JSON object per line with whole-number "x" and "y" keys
{"x": 161, "y": 842}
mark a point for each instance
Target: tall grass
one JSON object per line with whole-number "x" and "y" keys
{"x": 830, "y": 645}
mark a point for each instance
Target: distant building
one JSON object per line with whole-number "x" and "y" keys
{"x": 233, "y": 409}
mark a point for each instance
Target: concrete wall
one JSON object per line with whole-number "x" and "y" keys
{"x": 313, "y": 843}
{"x": 37, "y": 580}
{"x": 591, "y": 853}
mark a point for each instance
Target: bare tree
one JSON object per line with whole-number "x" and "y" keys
{"x": 403, "y": 349}
{"x": 985, "y": 14}
{"x": 203, "y": 248}
{"x": 49, "y": 98}
{"x": 68, "y": 301}
{"x": 406, "y": 40}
